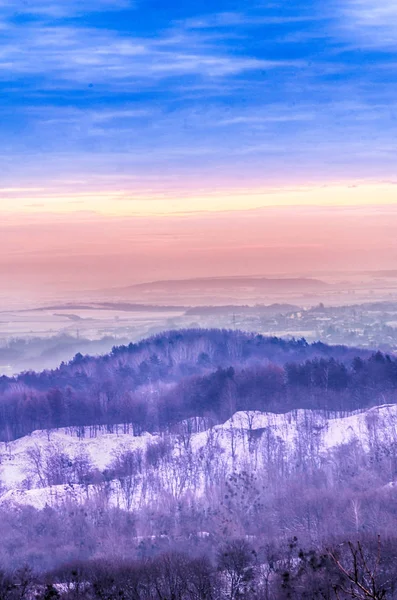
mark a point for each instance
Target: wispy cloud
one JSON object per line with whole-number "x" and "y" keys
{"x": 373, "y": 13}
{"x": 267, "y": 119}
{"x": 235, "y": 19}
{"x": 58, "y": 115}
{"x": 61, "y": 8}
{"x": 82, "y": 55}
{"x": 372, "y": 22}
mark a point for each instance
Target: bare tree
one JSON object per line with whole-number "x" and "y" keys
{"x": 127, "y": 467}
{"x": 235, "y": 561}
{"x": 361, "y": 576}
{"x": 36, "y": 465}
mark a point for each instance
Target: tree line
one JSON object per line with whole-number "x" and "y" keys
{"x": 236, "y": 570}
{"x": 179, "y": 375}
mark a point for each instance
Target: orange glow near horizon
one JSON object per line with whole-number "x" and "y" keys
{"x": 123, "y": 202}
{"x": 86, "y": 250}
{"x": 58, "y": 242}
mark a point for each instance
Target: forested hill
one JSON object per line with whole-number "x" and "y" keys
{"x": 181, "y": 374}
{"x": 175, "y": 354}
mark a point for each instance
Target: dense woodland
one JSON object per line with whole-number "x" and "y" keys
{"x": 209, "y": 373}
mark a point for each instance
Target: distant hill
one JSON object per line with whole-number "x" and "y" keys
{"x": 383, "y": 273}
{"x": 184, "y": 373}
{"x": 105, "y": 306}
{"x": 225, "y": 283}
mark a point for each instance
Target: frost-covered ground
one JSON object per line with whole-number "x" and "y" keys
{"x": 195, "y": 464}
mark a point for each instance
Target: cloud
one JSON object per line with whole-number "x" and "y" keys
{"x": 214, "y": 66}
{"x": 72, "y": 56}
{"x": 372, "y": 22}
{"x": 267, "y": 118}
{"x": 50, "y": 115}
{"x": 236, "y": 19}
{"x": 373, "y": 13}
{"x": 61, "y": 8}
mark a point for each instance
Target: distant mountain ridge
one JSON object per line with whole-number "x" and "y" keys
{"x": 233, "y": 282}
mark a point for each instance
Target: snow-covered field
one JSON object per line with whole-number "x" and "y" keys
{"x": 249, "y": 441}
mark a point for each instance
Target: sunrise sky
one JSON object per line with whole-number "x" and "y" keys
{"x": 155, "y": 139}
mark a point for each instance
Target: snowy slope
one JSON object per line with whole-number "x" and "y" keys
{"x": 249, "y": 441}
{"x": 101, "y": 449}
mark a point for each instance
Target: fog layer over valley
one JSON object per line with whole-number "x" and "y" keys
{"x": 41, "y": 338}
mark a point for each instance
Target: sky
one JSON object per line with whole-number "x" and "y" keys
{"x": 146, "y": 132}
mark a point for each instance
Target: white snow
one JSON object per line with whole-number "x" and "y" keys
{"x": 248, "y": 440}
{"x": 101, "y": 450}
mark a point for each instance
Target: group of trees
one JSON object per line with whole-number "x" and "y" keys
{"x": 235, "y": 570}
{"x": 178, "y": 375}
{"x": 146, "y": 502}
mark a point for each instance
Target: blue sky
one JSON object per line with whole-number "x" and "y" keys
{"x": 164, "y": 93}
